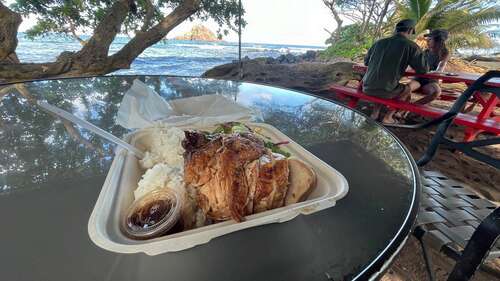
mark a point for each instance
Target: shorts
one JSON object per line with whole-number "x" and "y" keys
{"x": 400, "y": 88}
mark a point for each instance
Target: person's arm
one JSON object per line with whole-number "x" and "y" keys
{"x": 418, "y": 61}
{"x": 442, "y": 64}
{"x": 368, "y": 56}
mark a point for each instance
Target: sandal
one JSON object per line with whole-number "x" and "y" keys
{"x": 396, "y": 123}
{"x": 401, "y": 114}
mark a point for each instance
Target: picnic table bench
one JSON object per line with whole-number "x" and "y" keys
{"x": 486, "y": 121}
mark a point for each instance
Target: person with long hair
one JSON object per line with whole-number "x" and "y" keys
{"x": 437, "y": 56}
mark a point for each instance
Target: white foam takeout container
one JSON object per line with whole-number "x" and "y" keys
{"x": 117, "y": 195}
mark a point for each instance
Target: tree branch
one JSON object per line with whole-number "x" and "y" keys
{"x": 93, "y": 58}
{"x": 70, "y": 128}
{"x": 73, "y": 33}
{"x": 97, "y": 47}
{"x": 142, "y": 40}
{"x": 5, "y": 90}
{"x": 382, "y": 15}
{"x": 26, "y": 71}
{"x": 353, "y": 17}
{"x": 150, "y": 11}
{"x": 336, "y": 16}
{"x": 367, "y": 22}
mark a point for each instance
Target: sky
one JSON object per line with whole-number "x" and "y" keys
{"x": 293, "y": 22}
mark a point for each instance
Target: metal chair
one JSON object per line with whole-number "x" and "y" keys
{"x": 452, "y": 218}
{"x": 458, "y": 223}
{"x": 446, "y": 120}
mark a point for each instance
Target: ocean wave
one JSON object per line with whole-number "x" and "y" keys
{"x": 282, "y": 50}
{"x": 180, "y": 59}
{"x": 202, "y": 46}
{"x": 256, "y": 47}
{"x": 168, "y": 57}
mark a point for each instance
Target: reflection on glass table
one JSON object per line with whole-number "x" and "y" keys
{"x": 54, "y": 170}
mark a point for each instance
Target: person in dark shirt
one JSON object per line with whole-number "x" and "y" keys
{"x": 387, "y": 61}
{"x": 437, "y": 56}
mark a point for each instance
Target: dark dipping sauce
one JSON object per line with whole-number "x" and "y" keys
{"x": 149, "y": 214}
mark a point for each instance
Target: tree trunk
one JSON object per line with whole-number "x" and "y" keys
{"x": 366, "y": 22}
{"x": 127, "y": 54}
{"x": 338, "y": 31}
{"x": 336, "y": 16}
{"x": 9, "y": 23}
{"x": 381, "y": 18}
{"x": 95, "y": 51}
{"x": 93, "y": 58}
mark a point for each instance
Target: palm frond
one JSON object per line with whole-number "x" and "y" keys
{"x": 470, "y": 39}
{"x": 427, "y": 21}
{"x": 483, "y": 17}
{"x": 402, "y": 11}
{"x": 416, "y": 9}
{"x": 464, "y": 19}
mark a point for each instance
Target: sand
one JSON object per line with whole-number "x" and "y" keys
{"x": 479, "y": 177}
{"x": 410, "y": 266}
{"x": 484, "y": 180}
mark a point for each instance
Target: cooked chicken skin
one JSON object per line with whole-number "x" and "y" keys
{"x": 272, "y": 182}
{"x": 217, "y": 168}
{"x": 234, "y": 174}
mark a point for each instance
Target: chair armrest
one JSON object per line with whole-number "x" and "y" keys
{"x": 482, "y": 240}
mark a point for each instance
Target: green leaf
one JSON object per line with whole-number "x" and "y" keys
{"x": 85, "y": 15}
{"x": 464, "y": 19}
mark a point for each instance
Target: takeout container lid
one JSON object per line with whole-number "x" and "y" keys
{"x": 124, "y": 174}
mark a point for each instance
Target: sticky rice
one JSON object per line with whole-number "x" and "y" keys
{"x": 160, "y": 176}
{"x": 166, "y": 148}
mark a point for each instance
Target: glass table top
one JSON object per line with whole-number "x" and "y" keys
{"x": 51, "y": 173}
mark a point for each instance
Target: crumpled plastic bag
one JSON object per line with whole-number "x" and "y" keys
{"x": 142, "y": 107}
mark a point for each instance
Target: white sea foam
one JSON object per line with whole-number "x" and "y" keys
{"x": 202, "y": 46}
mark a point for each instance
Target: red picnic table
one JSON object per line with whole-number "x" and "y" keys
{"x": 487, "y": 120}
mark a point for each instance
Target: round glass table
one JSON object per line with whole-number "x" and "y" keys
{"x": 51, "y": 173}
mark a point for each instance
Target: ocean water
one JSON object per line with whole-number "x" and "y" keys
{"x": 171, "y": 57}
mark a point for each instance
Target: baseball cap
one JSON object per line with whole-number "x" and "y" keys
{"x": 438, "y": 33}
{"x": 405, "y": 24}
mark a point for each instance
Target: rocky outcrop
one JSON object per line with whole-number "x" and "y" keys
{"x": 199, "y": 33}
{"x": 311, "y": 76}
{"x": 309, "y": 56}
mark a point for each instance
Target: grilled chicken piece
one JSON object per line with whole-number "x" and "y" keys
{"x": 271, "y": 184}
{"x": 199, "y": 158}
{"x": 216, "y": 168}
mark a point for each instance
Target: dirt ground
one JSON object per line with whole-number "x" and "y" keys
{"x": 410, "y": 266}
{"x": 484, "y": 180}
{"x": 479, "y": 177}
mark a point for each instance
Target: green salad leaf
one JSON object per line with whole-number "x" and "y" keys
{"x": 231, "y": 127}
{"x": 276, "y": 149}
{"x": 237, "y": 127}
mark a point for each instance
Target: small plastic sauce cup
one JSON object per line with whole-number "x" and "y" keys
{"x": 153, "y": 215}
